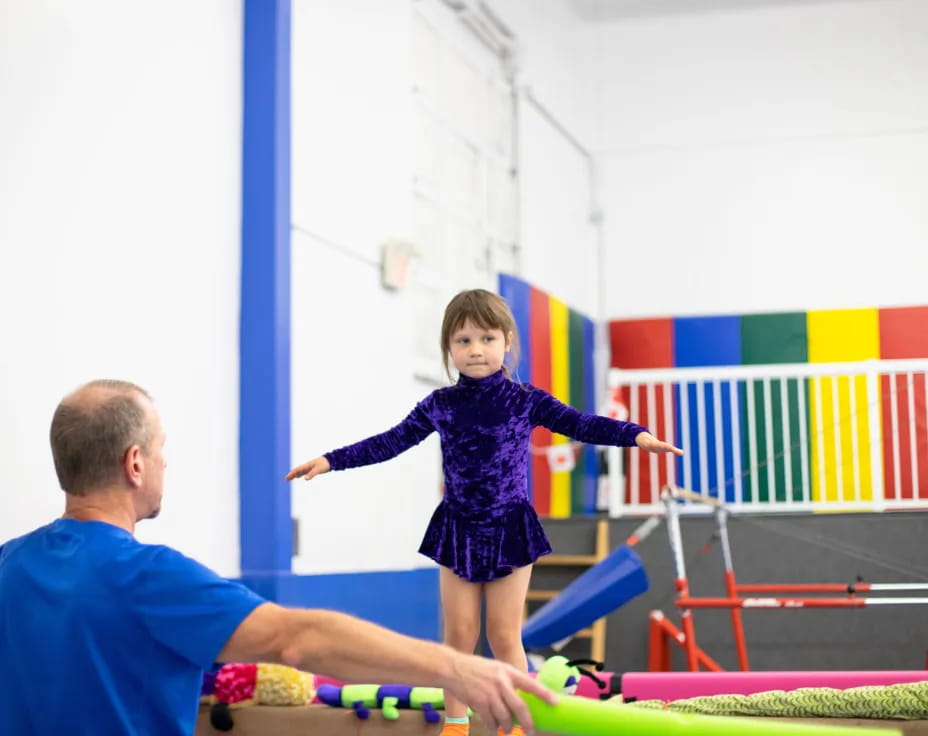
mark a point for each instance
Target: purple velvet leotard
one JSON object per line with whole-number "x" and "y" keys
{"x": 485, "y": 526}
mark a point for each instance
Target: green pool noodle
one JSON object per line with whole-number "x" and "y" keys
{"x": 389, "y": 707}
{"x": 576, "y": 716}
{"x": 434, "y": 696}
{"x": 366, "y": 694}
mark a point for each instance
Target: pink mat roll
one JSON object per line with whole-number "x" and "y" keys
{"x": 588, "y": 689}
{"x": 680, "y": 685}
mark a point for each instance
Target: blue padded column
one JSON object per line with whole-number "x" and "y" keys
{"x": 264, "y": 383}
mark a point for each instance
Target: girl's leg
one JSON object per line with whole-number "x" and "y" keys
{"x": 505, "y": 609}
{"x": 460, "y": 606}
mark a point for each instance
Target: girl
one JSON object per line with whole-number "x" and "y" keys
{"x": 484, "y": 534}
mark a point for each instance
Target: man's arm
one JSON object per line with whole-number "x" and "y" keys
{"x": 351, "y": 649}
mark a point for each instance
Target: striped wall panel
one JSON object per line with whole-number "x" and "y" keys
{"x": 560, "y": 388}
{"x": 839, "y": 413}
{"x": 638, "y": 344}
{"x": 518, "y": 295}
{"x": 557, "y": 355}
{"x": 831, "y": 414}
{"x": 584, "y": 477}
{"x": 904, "y": 334}
{"x": 700, "y": 341}
{"x": 540, "y": 374}
{"x": 773, "y": 467}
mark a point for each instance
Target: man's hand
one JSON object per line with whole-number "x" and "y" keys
{"x": 489, "y": 687}
{"x": 310, "y": 470}
{"x": 647, "y": 441}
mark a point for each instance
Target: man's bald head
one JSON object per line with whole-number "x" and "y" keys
{"x": 93, "y": 428}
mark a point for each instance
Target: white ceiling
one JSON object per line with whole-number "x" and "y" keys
{"x": 607, "y": 10}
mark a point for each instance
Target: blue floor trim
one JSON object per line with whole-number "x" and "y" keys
{"x": 403, "y": 600}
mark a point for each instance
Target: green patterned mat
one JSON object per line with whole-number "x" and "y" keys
{"x": 905, "y": 701}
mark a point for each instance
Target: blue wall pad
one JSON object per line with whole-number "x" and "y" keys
{"x": 699, "y": 341}
{"x": 406, "y": 600}
{"x": 712, "y": 484}
{"x": 518, "y": 295}
{"x": 589, "y": 458}
{"x": 707, "y": 341}
{"x": 265, "y": 526}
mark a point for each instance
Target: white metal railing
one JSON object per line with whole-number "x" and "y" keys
{"x": 790, "y": 437}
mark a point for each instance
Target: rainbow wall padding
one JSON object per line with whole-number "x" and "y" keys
{"x": 826, "y": 336}
{"x": 557, "y": 348}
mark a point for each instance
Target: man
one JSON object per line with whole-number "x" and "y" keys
{"x": 100, "y": 634}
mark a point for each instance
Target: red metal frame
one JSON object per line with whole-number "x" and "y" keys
{"x": 662, "y": 632}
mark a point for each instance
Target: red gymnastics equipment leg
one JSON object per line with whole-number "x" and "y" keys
{"x": 737, "y": 627}
{"x": 676, "y": 544}
{"x": 662, "y": 631}
{"x": 694, "y": 656}
{"x": 662, "y": 634}
{"x": 659, "y": 633}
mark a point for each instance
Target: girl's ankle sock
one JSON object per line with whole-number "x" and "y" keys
{"x": 456, "y": 727}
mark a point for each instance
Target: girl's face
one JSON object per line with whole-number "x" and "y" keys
{"x": 478, "y": 352}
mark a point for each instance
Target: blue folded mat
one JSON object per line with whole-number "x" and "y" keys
{"x": 611, "y": 583}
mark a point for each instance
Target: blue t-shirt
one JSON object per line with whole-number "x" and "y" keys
{"x": 101, "y": 634}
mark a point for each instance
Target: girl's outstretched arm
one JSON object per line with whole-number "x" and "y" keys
{"x": 592, "y": 428}
{"x": 310, "y": 469}
{"x": 647, "y": 441}
{"x": 411, "y": 431}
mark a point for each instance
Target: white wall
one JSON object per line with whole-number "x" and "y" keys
{"x": 353, "y": 342}
{"x": 766, "y": 160}
{"x": 553, "y": 56}
{"x": 559, "y": 239}
{"x": 119, "y": 244}
{"x": 557, "y": 197}
{"x": 355, "y": 346}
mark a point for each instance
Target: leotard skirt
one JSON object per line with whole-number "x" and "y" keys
{"x": 484, "y": 547}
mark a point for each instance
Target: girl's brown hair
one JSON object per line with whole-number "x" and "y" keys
{"x": 485, "y": 309}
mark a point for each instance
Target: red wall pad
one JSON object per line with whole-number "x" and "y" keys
{"x": 540, "y": 338}
{"x": 904, "y": 334}
{"x": 638, "y": 344}
{"x": 641, "y": 343}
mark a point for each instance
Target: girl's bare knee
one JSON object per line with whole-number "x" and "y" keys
{"x": 504, "y": 638}
{"x": 462, "y": 634}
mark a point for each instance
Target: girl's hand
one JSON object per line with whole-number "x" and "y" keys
{"x": 647, "y": 441}
{"x": 311, "y": 469}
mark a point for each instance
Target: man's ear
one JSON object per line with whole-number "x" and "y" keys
{"x": 134, "y": 465}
